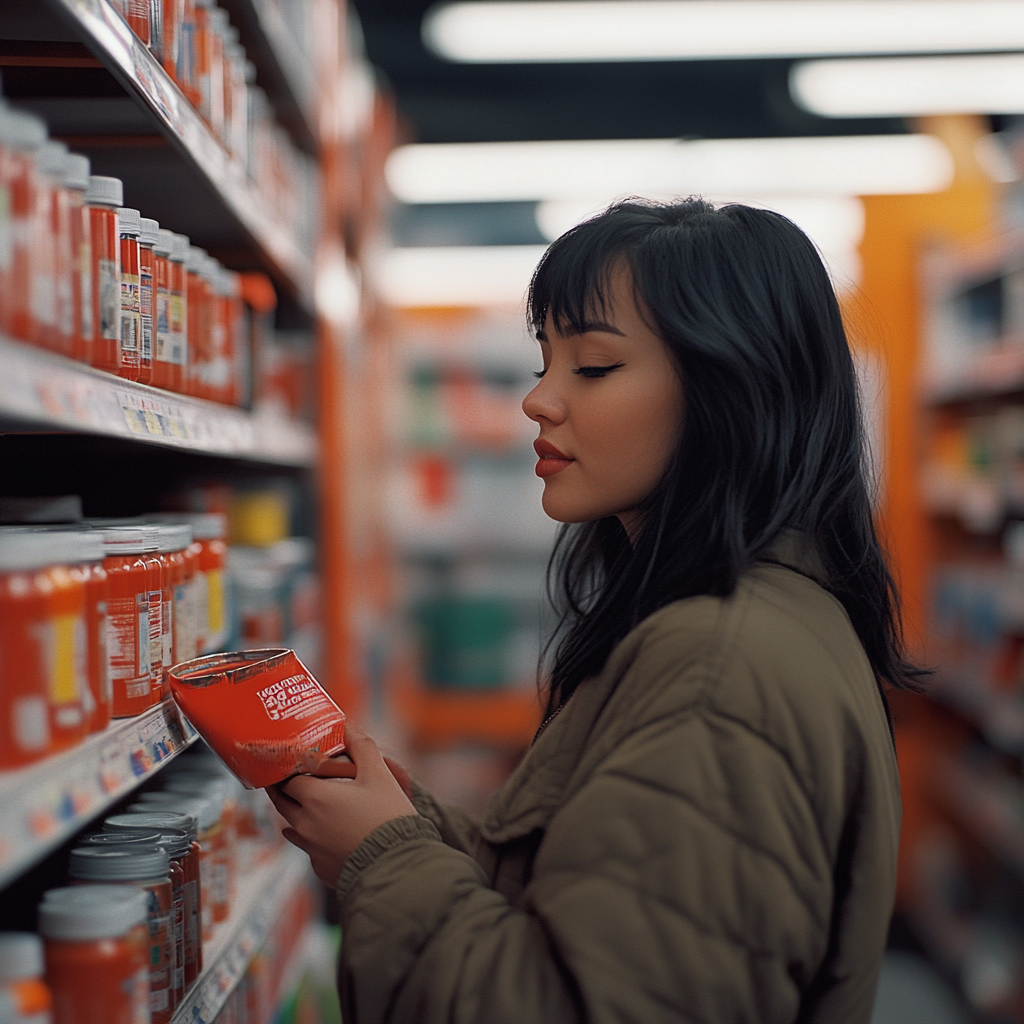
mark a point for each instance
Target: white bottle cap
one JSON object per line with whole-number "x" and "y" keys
{"x": 84, "y": 912}
{"x": 113, "y": 864}
{"x": 205, "y": 525}
{"x": 128, "y": 221}
{"x": 24, "y": 548}
{"x": 179, "y": 251}
{"x": 50, "y": 159}
{"x": 174, "y": 536}
{"x": 22, "y": 132}
{"x": 76, "y": 171}
{"x": 149, "y": 231}
{"x": 104, "y": 191}
{"x": 21, "y": 956}
{"x": 164, "y": 242}
{"x": 129, "y": 540}
{"x": 196, "y": 261}
{"x": 249, "y": 70}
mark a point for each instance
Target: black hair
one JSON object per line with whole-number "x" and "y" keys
{"x": 771, "y": 439}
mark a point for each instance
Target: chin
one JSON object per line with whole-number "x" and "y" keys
{"x": 569, "y": 512}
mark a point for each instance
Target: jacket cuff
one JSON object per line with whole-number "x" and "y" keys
{"x": 384, "y": 837}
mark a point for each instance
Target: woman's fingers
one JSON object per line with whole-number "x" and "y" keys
{"x": 286, "y": 805}
{"x": 362, "y": 750}
{"x": 295, "y": 839}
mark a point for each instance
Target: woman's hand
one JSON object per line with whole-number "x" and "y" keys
{"x": 330, "y": 817}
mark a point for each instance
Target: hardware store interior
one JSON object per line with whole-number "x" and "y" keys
{"x": 263, "y": 356}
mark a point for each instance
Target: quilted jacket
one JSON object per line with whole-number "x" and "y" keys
{"x": 706, "y": 833}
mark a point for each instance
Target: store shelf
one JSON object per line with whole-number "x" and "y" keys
{"x": 262, "y": 896}
{"x": 443, "y": 718}
{"x": 46, "y": 803}
{"x": 997, "y": 372}
{"x": 108, "y": 36}
{"x": 998, "y": 716}
{"x": 43, "y": 391}
{"x": 992, "y": 814}
{"x": 281, "y": 63}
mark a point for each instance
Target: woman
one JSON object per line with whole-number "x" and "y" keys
{"x": 705, "y": 826}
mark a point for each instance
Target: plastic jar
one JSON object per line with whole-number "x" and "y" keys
{"x": 188, "y": 854}
{"x": 174, "y": 541}
{"x": 21, "y": 977}
{"x": 132, "y": 616}
{"x": 21, "y": 135}
{"x": 137, "y": 15}
{"x": 128, "y": 221}
{"x": 96, "y": 946}
{"x": 210, "y": 549}
{"x": 218, "y": 26}
{"x": 148, "y": 869}
{"x": 198, "y": 318}
{"x": 103, "y": 198}
{"x": 170, "y": 35}
{"x": 179, "y": 312}
{"x": 88, "y": 567}
{"x": 50, "y": 239}
{"x": 76, "y": 181}
{"x": 42, "y": 646}
{"x": 185, "y": 72}
{"x": 162, "y": 364}
{"x": 148, "y": 237}
{"x": 176, "y": 845}
{"x": 202, "y": 43}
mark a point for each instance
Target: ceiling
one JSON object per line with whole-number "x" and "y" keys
{"x": 446, "y": 102}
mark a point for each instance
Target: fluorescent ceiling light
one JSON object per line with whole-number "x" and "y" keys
{"x": 491, "y": 275}
{"x": 664, "y": 168}
{"x": 908, "y": 86}
{"x": 621, "y": 30}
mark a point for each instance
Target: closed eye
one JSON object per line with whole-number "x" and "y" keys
{"x": 590, "y": 372}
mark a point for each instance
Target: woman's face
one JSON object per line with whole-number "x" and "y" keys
{"x": 610, "y": 409}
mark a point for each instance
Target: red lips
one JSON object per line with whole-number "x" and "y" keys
{"x": 546, "y": 450}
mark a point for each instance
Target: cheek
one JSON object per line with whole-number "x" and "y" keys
{"x": 637, "y": 430}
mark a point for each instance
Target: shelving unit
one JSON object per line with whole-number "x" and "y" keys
{"x": 46, "y": 803}
{"x": 68, "y": 428}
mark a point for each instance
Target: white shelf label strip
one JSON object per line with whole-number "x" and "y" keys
{"x": 47, "y": 802}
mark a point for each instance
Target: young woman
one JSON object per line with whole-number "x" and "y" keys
{"x": 705, "y": 826}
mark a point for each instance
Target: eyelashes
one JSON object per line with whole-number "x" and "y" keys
{"x": 591, "y": 372}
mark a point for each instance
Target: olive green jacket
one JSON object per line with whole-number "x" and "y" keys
{"x": 706, "y": 833}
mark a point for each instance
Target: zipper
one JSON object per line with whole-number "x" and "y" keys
{"x": 547, "y": 721}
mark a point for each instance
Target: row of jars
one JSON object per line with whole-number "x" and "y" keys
{"x": 124, "y": 940}
{"x": 92, "y": 616}
{"x": 95, "y": 281}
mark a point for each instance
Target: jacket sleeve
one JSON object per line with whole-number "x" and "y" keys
{"x": 456, "y": 827}
{"x": 686, "y": 880}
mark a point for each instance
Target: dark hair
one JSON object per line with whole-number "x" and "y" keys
{"x": 771, "y": 436}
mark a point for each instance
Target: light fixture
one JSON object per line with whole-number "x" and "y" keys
{"x": 908, "y": 86}
{"x": 540, "y": 31}
{"x": 663, "y": 168}
{"x": 487, "y": 275}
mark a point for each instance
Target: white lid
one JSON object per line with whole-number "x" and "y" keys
{"x": 9, "y": 1013}
{"x": 84, "y": 912}
{"x": 76, "y": 171}
{"x": 174, "y": 536}
{"x": 149, "y": 231}
{"x": 197, "y": 798}
{"x": 24, "y": 548}
{"x": 164, "y": 242}
{"x": 205, "y": 525}
{"x": 104, "y": 191}
{"x": 118, "y": 864}
{"x": 196, "y": 260}
{"x": 220, "y": 20}
{"x": 128, "y": 221}
{"x": 135, "y": 820}
{"x": 66, "y": 508}
{"x": 21, "y": 956}
{"x": 50, "y": 159}
{"x": 21, "y": 131}
{"x": 179, "y": 251}
{"x": 88, "y": 545}
{"x": 129, "y": 540}
{"x": 249, "y": 69}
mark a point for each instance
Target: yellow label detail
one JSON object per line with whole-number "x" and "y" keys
{"x": 215, "y": 602}
{"x": 66, "y": 631}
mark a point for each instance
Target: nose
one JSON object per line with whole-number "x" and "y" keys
{"x": 542, "y": 403}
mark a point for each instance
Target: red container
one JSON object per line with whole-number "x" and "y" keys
{"x": 131, "y": 300}
{"x": 262, "y": 712}
{"x": 102, "y": 199}
{"x": 148, "y": 238}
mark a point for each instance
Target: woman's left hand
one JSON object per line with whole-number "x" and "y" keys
{"x": 330, "y": 817}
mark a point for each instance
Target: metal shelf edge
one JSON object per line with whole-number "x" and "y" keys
{"x": 47, "y": 802}
{"x": 49, "y": 390}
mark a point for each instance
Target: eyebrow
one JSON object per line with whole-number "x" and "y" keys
{"x": 587, "y": 327}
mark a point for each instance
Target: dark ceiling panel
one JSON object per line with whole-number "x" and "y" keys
{"x": 448, "y": 102}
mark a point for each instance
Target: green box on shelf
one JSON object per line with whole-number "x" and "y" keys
{"x": 465, "y": 641}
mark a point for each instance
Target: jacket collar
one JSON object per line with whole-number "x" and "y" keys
{"x": 796, "y": 550}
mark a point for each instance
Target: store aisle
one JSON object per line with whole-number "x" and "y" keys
{"x": 911, "y": 991}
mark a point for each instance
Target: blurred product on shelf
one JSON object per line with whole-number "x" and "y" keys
{"x": 21, "y": 978}
{"x": 96, "y": 953}
{"x": 100, "y": 283}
